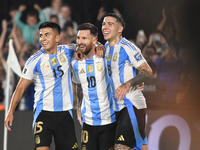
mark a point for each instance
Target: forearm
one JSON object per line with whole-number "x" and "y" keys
{"x": 79, "y": 95}
{"x": 17, "y": 95}
{"x": 144, "y": 73}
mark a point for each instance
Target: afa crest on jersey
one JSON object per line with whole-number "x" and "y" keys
{"x": 99, "y": 67}
{"x": 90, "y": 68}
{"x": 53, "y": 61}
{"x": 62, "y": 58}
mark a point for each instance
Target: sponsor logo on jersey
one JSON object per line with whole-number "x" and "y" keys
{"x": 138, "y": 57}
{"x": 83, "y": 147}
{"x": 45, "y": 66}
{"x": 90, "y": 68}
{"x": 99, "y": 67}
{"x": 75, "y": 146}
{"x": 109, "y": 58}
{"x": 37, "y": 139}
{"x": 24, "y": 71}
{"x": 82, "y": 71}
{"x": 53, "y": 61}
{"x": 62, "y": 58}
{"x": 121, "y": 138}
{"x": 115, "y": 57}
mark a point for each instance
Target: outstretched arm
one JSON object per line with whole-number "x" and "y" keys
{"x": 144, "y": 73}
{"x": 21, "y": 87}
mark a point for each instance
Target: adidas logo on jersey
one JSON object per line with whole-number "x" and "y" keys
{"x": 75, "y": 146}
{"x": 82, "y": 71}
{"x": 121, "y": 138}
{"x": 45, "y": 66}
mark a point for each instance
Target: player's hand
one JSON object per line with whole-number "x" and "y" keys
{"x": 99, "y": 49}
{"x": 140, "y": 86}
{"x": 121, "y": 91}
{"x": 8, "y": 121}
{"x": 78, "y": 56}
{"x": 79, "y": 115}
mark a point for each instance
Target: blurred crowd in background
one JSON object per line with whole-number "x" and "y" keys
{"x": 164, "y": 47}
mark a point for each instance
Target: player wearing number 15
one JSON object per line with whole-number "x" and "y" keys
{"x": 49, "y": 68}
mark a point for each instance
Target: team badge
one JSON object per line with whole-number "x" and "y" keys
{"x": 99, "y": 67}
{"x": 37, "y": 139}
{"x": 62, "y": 58}
{"x": 90, "y": 68}
{"x": 115, "y": 57}
{"x": 45, "y": 66}
{"x": 53, "y": 61}
{"x": 109, "y": 58}
{"x": 24, "y": 71}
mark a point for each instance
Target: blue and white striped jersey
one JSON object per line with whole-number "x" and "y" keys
{"x": 52, "y": 78}
{"x": 97, "y": 104}
{"x": 121, "y": 63}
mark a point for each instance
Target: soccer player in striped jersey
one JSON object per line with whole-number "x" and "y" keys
{"x": 49, "y": 69}
{"x": 122, "y": 60}
{"x": 98, "y": 115}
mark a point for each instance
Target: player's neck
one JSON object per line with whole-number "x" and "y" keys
{"x": 90, "y": 54}
{"x": 114, "y": 41}
{"x": 52, "y": 51}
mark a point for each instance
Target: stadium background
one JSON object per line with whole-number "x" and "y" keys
{"x": 175, "y": 128}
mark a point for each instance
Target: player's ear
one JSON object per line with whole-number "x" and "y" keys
{"x": 57, "y": 38}
{"x": 121, "y": 28}
{"x": 95, "y": 39}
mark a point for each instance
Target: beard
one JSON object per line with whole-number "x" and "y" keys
{"x": 88, "y": 48}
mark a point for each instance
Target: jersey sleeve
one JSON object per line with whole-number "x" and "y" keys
{"x": 134, "y": 55}
{"x": 29, "y": 69}
{"x": 75, "y": 78}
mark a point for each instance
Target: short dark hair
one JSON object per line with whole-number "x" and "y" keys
{"x": 88, "y": 26}
{"x": 49, "y": 24}
{"x": 118, "y": 17}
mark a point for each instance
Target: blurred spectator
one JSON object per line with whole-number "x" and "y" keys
{"x": 32, "y": 23}
{"x": 65, "y": 17}
{"x": 54, "y": 18}
{"x": 170, "y": 68}
{"x": 167, "y": 28}
{"x": 54, "y": 9}
{"x": 157, "y": 40}
{"x": 154, "y": 90}
{"x": 3, "y": 57}
{"x": 149, "y": 53}
{"x": 141, "y": 39}
{"x": 10, "y": 22}
{"x": 67, "y": 35}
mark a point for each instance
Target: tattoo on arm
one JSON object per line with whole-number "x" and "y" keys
{"x": 79, "y": 95}
{"x": 141, "y": 76}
